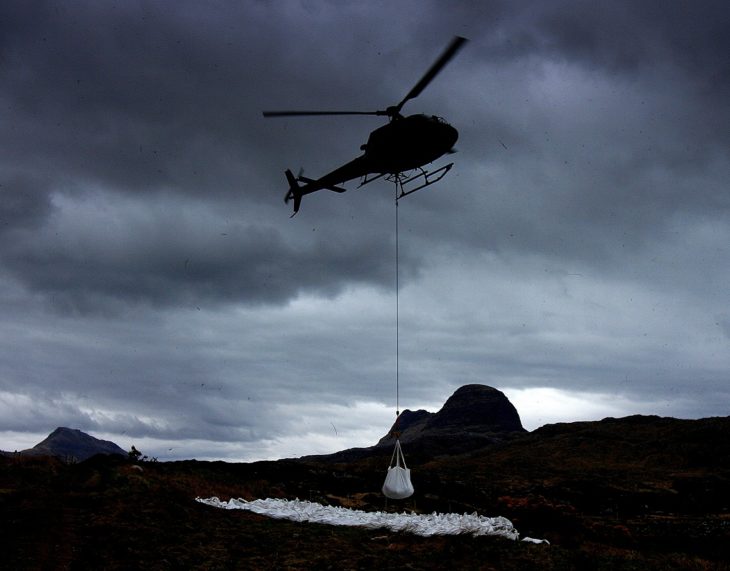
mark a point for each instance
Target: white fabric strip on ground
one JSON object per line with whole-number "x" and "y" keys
{"x": 419, "y": 524}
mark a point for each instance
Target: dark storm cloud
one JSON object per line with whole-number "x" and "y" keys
{"x": 618, "y": 37}
{"x": 142, "y": 96}
{"x": 607, "y": 124}
{"x": 144, "y": 100}
{"x": 96, "y": 258}
{"x": 124, "y": 94}
{"x": 579, "y": 243}
{"x": 154, "y": 101}
{"x": 24, "y": 202}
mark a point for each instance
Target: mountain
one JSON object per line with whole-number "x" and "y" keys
{"x": 473, "y": 410}
{"x": 70, "y": 444}
{"x": 473, "y": 417}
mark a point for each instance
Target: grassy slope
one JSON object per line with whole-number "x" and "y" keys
{"x": 632, "y": 494}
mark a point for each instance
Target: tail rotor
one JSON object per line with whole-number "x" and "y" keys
{"x": 294, "y": 192}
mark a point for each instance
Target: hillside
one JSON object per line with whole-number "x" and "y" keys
{"x": 633, "y": 493}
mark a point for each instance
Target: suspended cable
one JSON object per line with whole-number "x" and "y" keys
{"x": 397, "y": 312}
{"x": 398, "y": 480}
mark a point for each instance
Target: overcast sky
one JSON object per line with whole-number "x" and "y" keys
{"x": 155, "y": 292}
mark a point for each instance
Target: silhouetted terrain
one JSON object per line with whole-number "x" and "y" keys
{"x": 71, "y": 445}
{"x": 641, "y": 492}
{"x": 473, "y": 417}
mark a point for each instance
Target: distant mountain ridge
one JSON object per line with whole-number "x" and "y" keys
{"x": 72, "y": 445}
{"x": 473, "y": 417}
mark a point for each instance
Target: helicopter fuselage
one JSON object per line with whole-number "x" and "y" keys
{"x": 409, "y": 142}
{"x": 404, "y": 144}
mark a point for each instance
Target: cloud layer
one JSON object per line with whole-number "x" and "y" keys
{"x": 154, "y": 288}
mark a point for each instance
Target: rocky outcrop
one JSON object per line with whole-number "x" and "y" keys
{"x": 71, "y": 445}
{"x": 472, "y": 412}
{"x": 480, "y": 408}
{"x": 473, "y": 417}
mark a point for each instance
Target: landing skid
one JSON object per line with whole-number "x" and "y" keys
{"x": 427, "y": 179}
{"x": 403, "y": 181}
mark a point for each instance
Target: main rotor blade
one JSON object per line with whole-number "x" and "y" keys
{"x": 438, "y": 65}
{"x": 310, "y": 113}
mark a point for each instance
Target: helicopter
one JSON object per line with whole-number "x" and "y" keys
{"x": 394, "y": 150}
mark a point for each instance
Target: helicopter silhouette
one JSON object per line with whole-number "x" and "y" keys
{"x": 393, "y": 150}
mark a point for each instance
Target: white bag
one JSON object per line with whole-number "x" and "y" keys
{"x": 397, "y": 484}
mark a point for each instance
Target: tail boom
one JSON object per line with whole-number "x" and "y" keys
{"x": 356, "y": 168}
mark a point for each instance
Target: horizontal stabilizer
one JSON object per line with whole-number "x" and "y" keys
{"x": 331, "y": 187}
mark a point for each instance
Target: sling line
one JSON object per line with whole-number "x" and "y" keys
{"x": 397, "y": 314}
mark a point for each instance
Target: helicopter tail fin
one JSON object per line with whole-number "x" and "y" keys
{"x": 294, "y": 192}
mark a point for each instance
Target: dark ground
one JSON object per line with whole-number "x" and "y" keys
{"x": 636, "y": 493}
